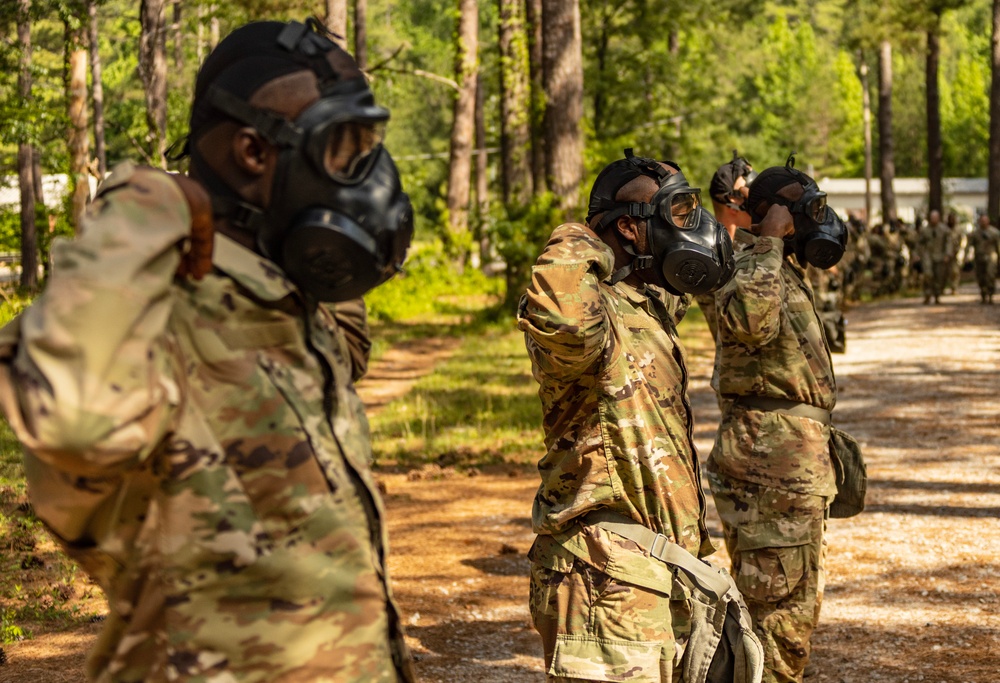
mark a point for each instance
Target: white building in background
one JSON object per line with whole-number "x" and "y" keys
{"x": 54, "y": 186}
{"x": 965, "y": 196}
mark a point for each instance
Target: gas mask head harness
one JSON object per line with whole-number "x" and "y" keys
{"x": 722, "y": 188}
{"x": 820, "y": 237}
{"x": 690, "y": 247}
{"x": 338, "y": 222}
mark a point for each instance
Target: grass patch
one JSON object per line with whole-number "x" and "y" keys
{"x": 480, "y": 407}
{"x": 39, "y": 585}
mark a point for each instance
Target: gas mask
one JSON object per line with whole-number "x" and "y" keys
{"x": 691, "y": 248}
{"x": 338, "y": 222}
{"x": 820, "y": 237}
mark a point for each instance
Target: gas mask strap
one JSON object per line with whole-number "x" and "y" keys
{"x": 637, "y": 263}
{"x": 276, "y": 129}
{"x": 640, "y": 210}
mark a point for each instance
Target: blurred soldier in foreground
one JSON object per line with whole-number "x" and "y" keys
{"x": 770, "y": 470}
{"x": 620, "y": 515}
{"x": 934, "y": 242}
{"x": 985, "y": 243}
{"x": 184, "y": 389}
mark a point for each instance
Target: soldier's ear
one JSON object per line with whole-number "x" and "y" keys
{"x": 628, "y": 228}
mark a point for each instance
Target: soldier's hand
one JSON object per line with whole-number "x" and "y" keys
{"x": 777, "y": 222}
{"x": 196, "y": 258}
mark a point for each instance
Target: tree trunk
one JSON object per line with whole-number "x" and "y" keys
{"x": 25, "y": 157}
{"x": 336, "y": 20}
{"x": 866, "y": 107}
{"x": 361, "y": 33}
{"x": 535, "y": 74}
{"x": 600, "y": 92}
{"x": 213, "y": 26}
{"x": 36, "y": 171}
{"x": 887, "y": 163}
{"x": 153, "y": 70}
{"x": 97, "y": 90}
{"x": 463, "y": 127}
{"x": 200, "y": 39}
{"x": 993, "y": 197}
{"x": 177, "y": 29}
{"x": 935, "y": 150}
{"x": 562, "y": 59}
{"x": 481, "y": 254}
{"x": 76, "y": 100}
{"x": 515, "y": 116}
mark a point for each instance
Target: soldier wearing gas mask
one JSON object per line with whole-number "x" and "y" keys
{"x": 184, "y": 387}
{"x": 620, "y": 477}
{"x": 771, "y": 470}
{"x": 728, "y": 189}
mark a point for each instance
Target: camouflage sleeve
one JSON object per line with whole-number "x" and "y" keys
{"x": 750, "y": 304}
{"x": 562, "y": 314}
{"x": 679, "y": 305}
{"x": 352, "y": 321}
{"x": 87, "y": 384}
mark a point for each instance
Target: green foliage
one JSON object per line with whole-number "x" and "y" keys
{"x": 686, "y": 81}
{"x": 429, "y": 285}
{"x": 11, "y": 305}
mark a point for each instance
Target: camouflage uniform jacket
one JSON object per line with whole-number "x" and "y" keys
{"x": 772, "y": 344}
{"x": 200, "y": 449}
{"x": 986, "y": 244}
{"x": 935, "y": 243}
{"x": 616, "y": 417}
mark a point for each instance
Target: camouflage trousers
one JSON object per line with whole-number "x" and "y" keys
{"x": 597, "y": 628}
{"x": 986, "y": 276}
{"x": 935, "y": 278}
{"x": 776, "y": 541}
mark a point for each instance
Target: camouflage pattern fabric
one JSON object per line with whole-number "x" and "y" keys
{"x": 617, "y": 423}
{"x": 200, "y": 449}
{"x": 985, "y": 244}
{"x": 775, "y": 538}
{"x": 958, "y": 245}
{"x": 772, "y": 465}
{"x": 706, "y": 302}
{"x": 598, "y": 628}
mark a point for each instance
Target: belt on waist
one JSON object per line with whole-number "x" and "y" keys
{"x": 783, "y": 405}
{"x": 662, "y": 548}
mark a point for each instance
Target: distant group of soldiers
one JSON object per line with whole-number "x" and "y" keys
{"x": 928, "y": 256}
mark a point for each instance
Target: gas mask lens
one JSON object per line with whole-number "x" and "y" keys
{"x": 816, "y": 208}
{"x": 349, "y": 148}
{"x": 684, "y": 209}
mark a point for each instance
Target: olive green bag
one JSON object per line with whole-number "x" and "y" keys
{"x": 852, "y": 475}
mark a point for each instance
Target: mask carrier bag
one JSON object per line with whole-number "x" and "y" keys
{"x": 722, "y": 647}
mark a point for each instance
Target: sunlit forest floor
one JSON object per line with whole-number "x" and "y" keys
{"x": 913, "y": 592}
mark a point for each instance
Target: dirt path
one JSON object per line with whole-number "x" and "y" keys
{"x": 914, "y": 581}
{"x": 399, "y": 368}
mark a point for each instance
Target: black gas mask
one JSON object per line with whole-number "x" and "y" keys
{"x": 338, "y": 222}
{"x": 820, "y": 237}
{"x": 691, "y": 248}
